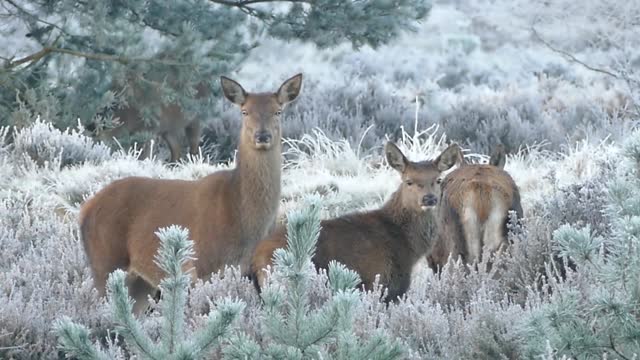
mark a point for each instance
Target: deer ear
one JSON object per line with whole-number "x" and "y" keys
{"x": 449, "y": 157}
{"x": 498, "y": 156}
{"x": 290, "y": 89}
{"x": 233, "y": 91}
{"x": 395, "y": 157}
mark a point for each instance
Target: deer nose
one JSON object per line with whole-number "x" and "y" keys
{"x": 429, "y": 200}
{"x": 263, "y": 137}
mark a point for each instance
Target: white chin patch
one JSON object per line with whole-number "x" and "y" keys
{"x": 425, "y": 207}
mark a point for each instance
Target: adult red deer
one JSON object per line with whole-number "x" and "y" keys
{"x": 476, "y": 200}
{"x": 172, "y": 121}
{"x": 387, "y": 241}
{"x": 226, "y": 212}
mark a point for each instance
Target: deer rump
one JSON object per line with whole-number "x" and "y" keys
{"x": 474, "y": 214}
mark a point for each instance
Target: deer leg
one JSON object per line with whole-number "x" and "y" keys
{"x": 398, "y": 287}
{"x": 472, "y": 234}
{"x": 139, "y": 290}
{"x": 174, "y": 146}
{"x": 193, "y": 132}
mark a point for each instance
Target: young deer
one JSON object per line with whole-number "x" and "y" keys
{"x": 226, "y": 212}
{"x": 388, "y": 241}
{"x": 171, "y": 122}
{"x": 476, "y": 200}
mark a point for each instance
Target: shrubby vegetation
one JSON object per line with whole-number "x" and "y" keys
{"x": 464, "y": 313}
{"x": 478, "y": 70}
{"x": 568, "y": 286}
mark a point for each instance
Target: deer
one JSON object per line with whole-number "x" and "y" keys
{"x": 226, "y": 212}
{"x": 172, "y": 121}
{"x": 476, "y": 200}
{"x": 387, "y": 241}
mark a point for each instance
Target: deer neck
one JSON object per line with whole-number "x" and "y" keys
{"x": 419, "y": 228}
{"x": 257, "y": 180}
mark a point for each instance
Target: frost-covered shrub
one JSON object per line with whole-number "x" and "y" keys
{"x": 43, "y": 144}
{"x": 580, "y": 205}
{"x": 364, "y": 111}
{"x": 43, "y": 275}
{"x": 595, "y": 310}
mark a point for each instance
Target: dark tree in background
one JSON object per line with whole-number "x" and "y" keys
{"x": 67, "y": 60}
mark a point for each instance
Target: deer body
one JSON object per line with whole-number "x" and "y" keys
{"x": 476, "y": 200}
{"x": 226, "y": 212}
{"x": 387, "y": 241}
{"x": 170, "y": 124}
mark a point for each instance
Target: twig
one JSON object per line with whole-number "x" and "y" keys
{"x": 19, "y": 8}
{"x": 570, "y": 56}
{"x": 613, "y": 346}
{"x": 253, "y": 2}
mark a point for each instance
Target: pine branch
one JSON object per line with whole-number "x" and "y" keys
{"x": 122, "y": 308}
{"x": 74, "y": 340}
{"x": 245, "y": 6}
{"x": 35, "y": 57}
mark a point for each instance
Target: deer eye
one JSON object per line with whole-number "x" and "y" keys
{"x": 439, "y": 180}
{"x": 279, "y": 112}
{"x": 409, "y": 182}
{"x": 244, "y": 113}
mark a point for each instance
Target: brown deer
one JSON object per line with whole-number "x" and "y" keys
{"x": 171, "y": 122}
{"x": 387, "y": 241}
{"x": 226, "y": 212}
{"x": 476, "y": 200}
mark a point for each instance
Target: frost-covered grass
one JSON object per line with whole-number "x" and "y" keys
{"x": 44, "y": 274}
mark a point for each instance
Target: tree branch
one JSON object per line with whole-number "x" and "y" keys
{"x": 570, "y": 56}
{"x": 245, "y": 6}
{"x": 35, "y": 57}
{"x": 253, "y": 2}
{"x": 120, "y": 59}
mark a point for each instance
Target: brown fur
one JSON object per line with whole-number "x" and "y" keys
{"x": 226, "y": 212}
{"x": 475, "y": 204}
{"x": 387, "y": 241}
{"x": 170, "y": 123}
